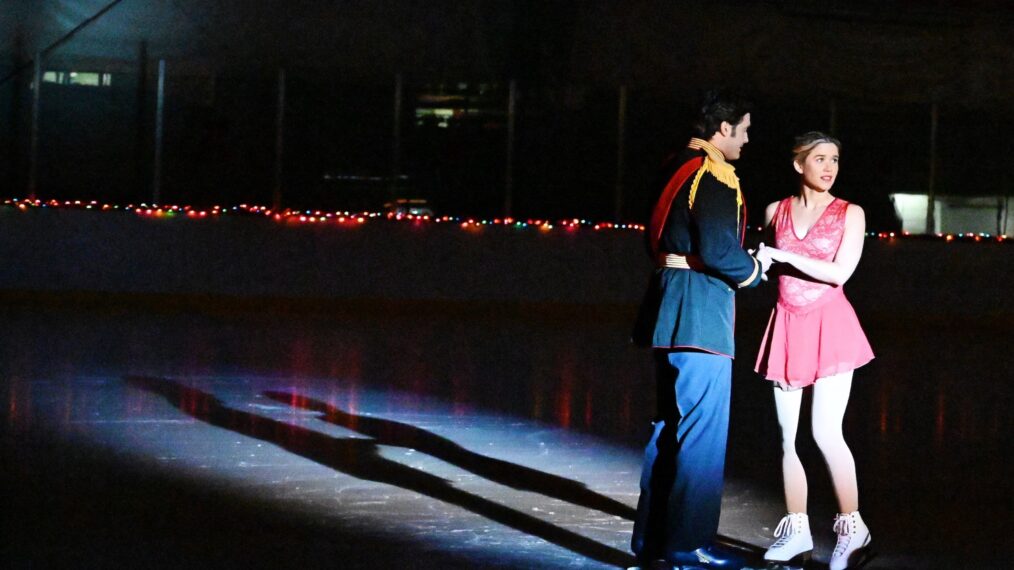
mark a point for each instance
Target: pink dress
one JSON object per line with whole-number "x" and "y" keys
{"x": 813, "y": 331}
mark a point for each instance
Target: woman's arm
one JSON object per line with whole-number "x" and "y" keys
{"x": 769, "y": 214}
{"x": 835, "y": 272}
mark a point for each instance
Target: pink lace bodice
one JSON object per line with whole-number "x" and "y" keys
{"x": 820, "y": 242}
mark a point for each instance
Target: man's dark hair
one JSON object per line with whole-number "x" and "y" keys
{"x": 716, "y": 106}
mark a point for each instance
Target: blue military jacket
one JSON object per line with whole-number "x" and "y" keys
{"x": 694, "y": 309}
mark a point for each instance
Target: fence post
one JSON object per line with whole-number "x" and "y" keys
{"x": 276, "y": 196}
{"x": 14, "y": 149}
{"x": 33, "y": 152}
{"x": 396, "y": 136}
{"x": 508, "y": 198}
{"x": 140, "y": 117}
{"x": 156, "y": 183}
{"x": 931, "y": 224}
{"x": 1001, "y": 215}
{"x": 621, "y": 135}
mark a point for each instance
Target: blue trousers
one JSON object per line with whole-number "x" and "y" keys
{"x": 684, "y": 462}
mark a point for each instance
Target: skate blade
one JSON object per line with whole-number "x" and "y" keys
{"x": 797, "y": 562}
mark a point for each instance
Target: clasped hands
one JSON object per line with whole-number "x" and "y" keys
{"x": 767, "y": 256}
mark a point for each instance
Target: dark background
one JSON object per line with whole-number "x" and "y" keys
{"x": 871, "y": 72}
{"x": 518, "y": 321}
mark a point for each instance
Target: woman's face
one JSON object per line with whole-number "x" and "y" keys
{"x": 820, "y": 168}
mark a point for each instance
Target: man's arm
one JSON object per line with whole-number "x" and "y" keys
{"x": 716, "y": 214}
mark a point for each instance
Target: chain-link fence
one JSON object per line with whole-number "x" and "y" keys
{"x": 130, "y": 126}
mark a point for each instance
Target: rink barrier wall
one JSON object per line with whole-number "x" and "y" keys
{"x": 55, "y": 254}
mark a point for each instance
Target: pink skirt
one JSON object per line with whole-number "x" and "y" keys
{"x": 803, "y": 344}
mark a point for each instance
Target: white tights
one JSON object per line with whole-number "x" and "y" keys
{"x": 830, "y": 396}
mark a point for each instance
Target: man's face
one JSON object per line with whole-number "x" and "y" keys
{"x": 732, "y": 138}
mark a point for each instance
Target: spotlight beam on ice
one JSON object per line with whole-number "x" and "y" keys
{"x": 361, "y": 458}
{"x": 398, "y": 434}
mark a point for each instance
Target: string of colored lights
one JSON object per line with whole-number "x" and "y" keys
{"x": 289, "y": 216}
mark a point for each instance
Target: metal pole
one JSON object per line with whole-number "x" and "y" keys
{"x": 276, "y": 200}
{"x": 396, "y": 136}
{"x": 931, "y": 224}
{"x": 140, "y": 123}
{"x": 621, "y": 130}
{"x": 1006, "y": 215}
{"x": 512, "y": 101}
{"x": 14, "y": 148}
{"x": 156, "y": 184}
{"x": 33, "y": 153}
{"x": 1001, "y": 213}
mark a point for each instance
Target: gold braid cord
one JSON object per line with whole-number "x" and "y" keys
{"x": 714, "y": 162}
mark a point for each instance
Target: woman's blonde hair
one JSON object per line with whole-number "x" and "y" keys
{"x": 807, "y": 141}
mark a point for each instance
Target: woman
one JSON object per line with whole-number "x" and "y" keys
{"x": 814, "y": 339}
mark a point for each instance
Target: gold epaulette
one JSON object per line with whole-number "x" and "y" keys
{"x": 714, "y": 162}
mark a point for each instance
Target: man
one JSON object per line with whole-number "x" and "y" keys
{"x": 695, "y": 236}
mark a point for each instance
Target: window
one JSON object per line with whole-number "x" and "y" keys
{"x": 86, "y": 78}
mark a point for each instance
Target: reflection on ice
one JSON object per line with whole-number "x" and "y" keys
{"x": 500, "y": 428}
